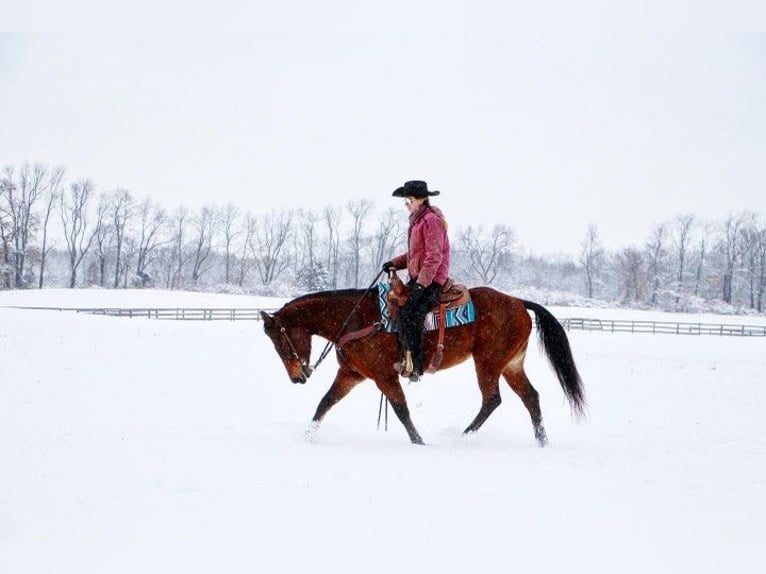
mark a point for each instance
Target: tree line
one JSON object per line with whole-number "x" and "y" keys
{"x": 57, "y": 231}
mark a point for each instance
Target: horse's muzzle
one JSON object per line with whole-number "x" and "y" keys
{"x": 306, "y": 371}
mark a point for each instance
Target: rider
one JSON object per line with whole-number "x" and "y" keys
{"x": 427, "y": 262}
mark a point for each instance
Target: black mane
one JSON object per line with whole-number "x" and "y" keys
{"x": 332, "y": 294}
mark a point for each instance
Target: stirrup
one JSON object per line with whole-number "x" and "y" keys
{"x": 413, "y": 376}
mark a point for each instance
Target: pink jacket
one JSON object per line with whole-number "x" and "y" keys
{"x": 427, "y": 257}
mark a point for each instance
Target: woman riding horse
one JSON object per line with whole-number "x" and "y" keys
{"x": 496, "y": 341}
{"x": 427, "y": 262}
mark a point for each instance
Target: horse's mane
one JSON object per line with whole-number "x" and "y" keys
{"x": 325, "y": 295}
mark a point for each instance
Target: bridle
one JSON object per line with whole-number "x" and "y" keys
{"x": 306, "y": 369}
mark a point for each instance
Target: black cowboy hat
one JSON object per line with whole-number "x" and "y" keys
{"x": 418, "y": 189}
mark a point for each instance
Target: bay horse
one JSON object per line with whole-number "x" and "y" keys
{"x": 497, "y": 340}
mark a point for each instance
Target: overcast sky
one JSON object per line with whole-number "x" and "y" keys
{"x": 546, "y": 132}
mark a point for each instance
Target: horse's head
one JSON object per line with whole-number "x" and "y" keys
{"x": 293, "y": 345}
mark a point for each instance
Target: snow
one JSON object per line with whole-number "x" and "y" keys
{"x": 132, "y": 445}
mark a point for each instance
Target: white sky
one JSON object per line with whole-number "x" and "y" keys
{"x": 546, "y": 128}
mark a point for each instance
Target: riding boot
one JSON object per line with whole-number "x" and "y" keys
{"x": 410, "y": 367}
{"x": 412, "y": 316}
{"x": 405, "y": 366}
{"x": 417, "y": 368}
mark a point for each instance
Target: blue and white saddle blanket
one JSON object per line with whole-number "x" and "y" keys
{"x": 455, "y": 316}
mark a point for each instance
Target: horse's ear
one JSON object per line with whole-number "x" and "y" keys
{"x": 267, "y": 319}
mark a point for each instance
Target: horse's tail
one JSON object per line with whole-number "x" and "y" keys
{"x": 555, "y": 343}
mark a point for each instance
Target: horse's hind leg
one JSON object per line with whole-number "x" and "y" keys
{"x": 517, "y": 379}
{"x": 490, "y": 395}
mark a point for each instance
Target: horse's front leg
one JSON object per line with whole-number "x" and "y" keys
{"x": 345, "y": 380}
{"x": 392, "y": 389}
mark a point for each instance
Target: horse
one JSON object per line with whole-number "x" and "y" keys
{"x": 496, "y": 340}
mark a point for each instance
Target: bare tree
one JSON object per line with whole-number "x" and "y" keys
{"x": 203, "y": 225}
{"x": 486, "y": 251}
{"x": 387, "y": 236}
{"x": 753, "y": 237}
{"x": 359, "y": 210}
{"x": 52, "y": 197}
{"x": 701, "y": 254}
{"x": 228, "y": 222}
{"x": 129, "y": 255}
{"x": 592, "y": 259}
{"x": 761, "y": 269}
{"x": 306, "y": 238}
{"x": 152, "y": 219}
{"x": 247, "y": 259}
{"x": 731, "y": 249}
{"x": 270, "y": 240}
{"x": 21, "y": 194}
{"x": 122, "y": 212}
{"x": 310, "y": 272}
{"x": 332, "y": 219}
{"x": 6, "y": 236}
{"x": 656, "y": 252}
{"x": 74, "y": 215}
{"x": 177, "y": 255}
{"x": 103, "y": 236}
{"x": 632, "y": 272}
{"x": 683, "y": 226}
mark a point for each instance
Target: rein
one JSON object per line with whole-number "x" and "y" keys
{"x": 336, "y": 339}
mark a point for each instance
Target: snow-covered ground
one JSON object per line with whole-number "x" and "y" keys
{"x": 136, "y": 445}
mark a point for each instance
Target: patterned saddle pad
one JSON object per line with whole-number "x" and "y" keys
{"x": 455, "y": 316}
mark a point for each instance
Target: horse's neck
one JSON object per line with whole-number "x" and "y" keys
{"x": 324, "y": 315}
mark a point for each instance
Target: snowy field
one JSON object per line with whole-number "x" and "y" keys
{"x": 136, "y": 445}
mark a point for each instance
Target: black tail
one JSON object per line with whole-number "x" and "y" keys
{"x": 555, "y": 343}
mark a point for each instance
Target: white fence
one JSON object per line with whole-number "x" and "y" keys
{"x": 569, "y": 323}
{"x": 168, "y": 313}
{"x": 668, "y": 327}
{"x": 183, "y": 314}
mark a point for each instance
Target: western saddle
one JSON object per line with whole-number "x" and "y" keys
{"x": 452, "y": 295}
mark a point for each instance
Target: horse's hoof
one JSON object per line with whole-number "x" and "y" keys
{"x": 417, "y": 439}
{"x": 310, "y": 433}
